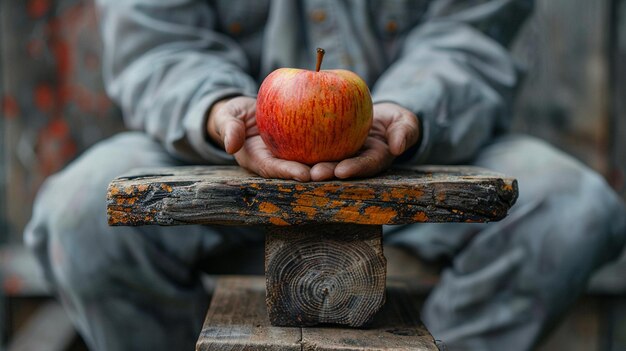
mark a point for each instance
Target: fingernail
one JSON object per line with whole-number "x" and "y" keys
{"x": 226, "y": 142}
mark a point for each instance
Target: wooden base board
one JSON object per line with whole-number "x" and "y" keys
{"x": 237, "y": 320}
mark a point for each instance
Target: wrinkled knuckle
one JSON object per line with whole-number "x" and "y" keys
{"x": 265, "y": 169}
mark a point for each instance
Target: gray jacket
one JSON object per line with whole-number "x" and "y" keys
{"x": 167, "y": 61}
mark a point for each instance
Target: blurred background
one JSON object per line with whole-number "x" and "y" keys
{"x": 52, "y": 107}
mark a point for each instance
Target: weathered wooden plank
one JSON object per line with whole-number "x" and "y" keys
{"x": 237, "y": 320}
{"x": 230, "y": 195}
{"x": 318, "y": 274}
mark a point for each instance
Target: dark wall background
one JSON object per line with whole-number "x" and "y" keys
{"x": 52, "y": 101}
{"x": 53, "y": 105}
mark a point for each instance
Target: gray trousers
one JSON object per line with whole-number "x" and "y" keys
{"x": 139, "y": 288}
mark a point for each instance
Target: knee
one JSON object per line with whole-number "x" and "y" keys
{"x": 68, "y": 232}
{"x": 578, "y": 205}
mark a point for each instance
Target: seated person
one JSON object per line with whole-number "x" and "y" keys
{"x": 185, "y": 74}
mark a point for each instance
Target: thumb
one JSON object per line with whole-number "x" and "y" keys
{"x": 402, "y": 133}
{"x": 233, "y": 131}
{"x": 227, "y": 122}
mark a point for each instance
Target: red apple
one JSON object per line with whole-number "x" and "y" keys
{"x": 313, "y": 116}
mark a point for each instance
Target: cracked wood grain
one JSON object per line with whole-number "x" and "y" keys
{"x": 230, "y": 195}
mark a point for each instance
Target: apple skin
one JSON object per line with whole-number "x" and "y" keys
{"x": 310, "y": 117}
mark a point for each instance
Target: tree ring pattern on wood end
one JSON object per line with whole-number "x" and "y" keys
{"x": 325, "y": 281}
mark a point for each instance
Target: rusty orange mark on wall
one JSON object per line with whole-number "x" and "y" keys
{"x": 44, "y": 97}
{"x": 63, "y": 57}
{"x": 382, "y": 215}
{"x": 268, "y": 208}
{"x": 254, "y": 185}
{"x": 508, "y": 187}
{"x": 12, "y": 284}
{"x": 299, "y": 187}
{"x": 166, "y": 187}
{"x": 37, "y": 8}
{"x": 10, "y": 107}
{"x": 420, "y": 217}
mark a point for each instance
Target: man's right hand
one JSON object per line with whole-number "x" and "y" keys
{"x": 232, "y": 125}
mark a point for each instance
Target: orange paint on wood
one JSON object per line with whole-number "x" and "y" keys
{"x": 324, "y": 190}
{"x": 420, "y": 217}
{"x": 113, "y": 190}
{"x": 309, "y": 211}
{"x": 507, "y": 187}
{"x": 311, "y": 201}
{"x": 268, "y": 208}
{"x": 278, "y": 221}
{"x": 441, "y": 197}
{"x": 283, "y": 189}
{"x": 358, "y": 194}
{"x": 125, "y": 200}
{"x": 379, "y": 214}
{"x": 348, "y": 214}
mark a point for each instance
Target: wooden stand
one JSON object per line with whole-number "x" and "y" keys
{"x": 324, "y": 274}
{"x": 237, "y": 320}
{"x": 323, "y": 261}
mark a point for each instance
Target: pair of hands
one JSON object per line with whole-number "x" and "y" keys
{"x": 232, "y": 125}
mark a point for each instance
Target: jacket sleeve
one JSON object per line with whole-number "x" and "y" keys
{"x": 165, "y": 65}
{"x": 455, "y": 73}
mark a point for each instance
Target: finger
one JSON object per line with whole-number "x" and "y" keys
{"x": 323, "y": 171}
{"x": 272, "y": 167}
{"x": 402, "y": 133}
{"x": 233, "y": 132}
{"x": 255, "y": 157}
{"x": 232, "y": 122}
{"x": 374, "y": 159}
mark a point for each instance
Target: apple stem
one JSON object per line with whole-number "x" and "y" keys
{"x": 320, "y": 57}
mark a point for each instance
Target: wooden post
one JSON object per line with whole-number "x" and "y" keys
{"x": 324, "y": 274}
